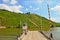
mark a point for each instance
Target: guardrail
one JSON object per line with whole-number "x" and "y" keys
{"x": 18, "y": 36}
{"x": 42, "y": 32}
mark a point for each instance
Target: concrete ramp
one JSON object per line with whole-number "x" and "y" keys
{"x": 34, "y": 35}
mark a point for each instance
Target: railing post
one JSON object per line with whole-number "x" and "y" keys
{"x": 24, "y": 27}
{"x": 51, "y": 35}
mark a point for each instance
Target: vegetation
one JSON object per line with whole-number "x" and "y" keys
{"x": 8, "y": 38}
{"x": 10, "y": 31}
{"x": 14, "y": 21}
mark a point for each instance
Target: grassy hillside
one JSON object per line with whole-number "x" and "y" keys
{"x": 11, "y": 19}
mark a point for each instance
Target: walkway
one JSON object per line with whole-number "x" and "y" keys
{"x": 34, "y": 35}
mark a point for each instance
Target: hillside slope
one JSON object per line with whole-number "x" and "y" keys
{"x": 11, "y": 19}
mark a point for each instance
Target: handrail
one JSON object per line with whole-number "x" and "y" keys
{"x": 44, "y": 35}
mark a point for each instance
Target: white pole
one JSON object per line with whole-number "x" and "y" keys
{"x": 51, "y": 36}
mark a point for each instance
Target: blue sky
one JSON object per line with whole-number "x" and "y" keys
{"x": 35, "y": 6}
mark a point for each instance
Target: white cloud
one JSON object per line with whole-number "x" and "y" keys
{"x": 30, "y": 6}
{"x": 36, "y": 9}
{"x": 55, "y": 19}
{"x": 5, "y": 1}
{"x": 10, "y": 1}
{"x": 56, "y": 8}
{"x": 33, "y": 2}
{"x": 27, "y": 9}
{"x": 13, "y": 1}
{"x": 39, "y": 1}
{"x": 56, "y": 11}
{"x": 11, "y": 8}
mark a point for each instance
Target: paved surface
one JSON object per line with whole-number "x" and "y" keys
{"x": 34, "y": 35}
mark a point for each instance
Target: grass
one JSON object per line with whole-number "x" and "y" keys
{"x": 8, "y": 38}
{"x": 10, "y": 31}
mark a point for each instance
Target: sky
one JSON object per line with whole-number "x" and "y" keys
{"x": 34, "y": 6}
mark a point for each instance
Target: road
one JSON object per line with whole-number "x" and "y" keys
{"x": 34, "y": 35}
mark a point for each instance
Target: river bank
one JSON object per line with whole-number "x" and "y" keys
{"x": 56, "y": 33}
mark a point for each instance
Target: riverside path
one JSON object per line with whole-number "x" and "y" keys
{"x": 34, "y": 35}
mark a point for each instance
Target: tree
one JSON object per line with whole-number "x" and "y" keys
{"x": 28, "y": 13}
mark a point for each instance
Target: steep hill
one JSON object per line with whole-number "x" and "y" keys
{"x": 11, "y": 19}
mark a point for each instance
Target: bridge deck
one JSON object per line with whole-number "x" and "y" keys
{"x": 34, "y": 35}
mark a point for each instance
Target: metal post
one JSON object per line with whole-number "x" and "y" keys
{"x": 51, "y": 36}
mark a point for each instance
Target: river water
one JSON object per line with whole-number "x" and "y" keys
{"x": 56, "y": 33}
